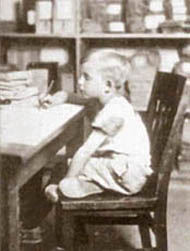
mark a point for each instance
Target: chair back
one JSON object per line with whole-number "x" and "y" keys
{"x": 163, "y": 105}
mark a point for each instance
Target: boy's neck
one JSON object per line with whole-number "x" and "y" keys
{"x": 106, "y": 99}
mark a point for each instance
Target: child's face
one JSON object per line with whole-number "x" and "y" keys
{"x": 91, "y": 82}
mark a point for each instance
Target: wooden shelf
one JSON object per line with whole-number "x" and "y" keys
{"x": 31, "y": 35}
{"x": 99, "y": 35}
{"x": 136, "y": 36}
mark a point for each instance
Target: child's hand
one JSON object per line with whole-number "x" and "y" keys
{"x": 46, "y": 101}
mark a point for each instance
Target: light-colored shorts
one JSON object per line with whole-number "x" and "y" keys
{"x": 114, "y": 173}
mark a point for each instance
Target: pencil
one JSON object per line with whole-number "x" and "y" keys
{"x": 41, "y": 101}
{"x": 49, "y": 88}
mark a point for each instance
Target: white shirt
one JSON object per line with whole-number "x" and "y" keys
{"x": 126, "y": 131}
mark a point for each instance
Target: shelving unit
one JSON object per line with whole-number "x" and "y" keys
{"x": 79, "y": 42}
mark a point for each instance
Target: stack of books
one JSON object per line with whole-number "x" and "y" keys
{"x": 16, "y": 85}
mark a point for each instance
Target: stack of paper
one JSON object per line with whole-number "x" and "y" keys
{"x": 169, "y": 57}
{"x": 140, "y": 85}
{"x": 16, "y": 85}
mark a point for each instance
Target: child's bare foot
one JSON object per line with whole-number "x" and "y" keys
{"x": 51, "y": 193}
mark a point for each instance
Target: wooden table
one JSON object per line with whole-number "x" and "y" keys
{"x": 29, "y": 138}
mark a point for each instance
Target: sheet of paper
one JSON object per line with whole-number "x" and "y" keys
{"x": 30, "y": 126}
{"x": 169, "y": 57}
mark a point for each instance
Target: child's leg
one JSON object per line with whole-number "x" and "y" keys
{"x": 32, "y": 194}
{"x": 135, "y": 177}
{"x": 77, "y": 187}
{"x": 57, "y": 173}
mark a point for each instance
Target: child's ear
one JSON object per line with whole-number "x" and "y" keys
{"x": 108, "y": 86}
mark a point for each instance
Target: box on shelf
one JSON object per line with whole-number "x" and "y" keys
{"x": 108, "y": 16}
{"x": 27, "y": 18}
{"x": 43, "y": 16}
{"x": 54, "y": 53}
{"x": 20, "y": 55}
{"x": 63, "y": 21}
{"x": 182, "y": 67}
{"x": 31, "y": 20}
{"x": 171, "y": 26}
{"x": 155, "y": 15}
{"x": 152, "y": 22}
{"x": 135, "y": 12}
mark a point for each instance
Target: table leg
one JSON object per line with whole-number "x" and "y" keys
{"x": 13, "y": 220}
{"x": 34, "y": 207}
{"x": 1, "y": 206}
{"x": 11, "y": 208}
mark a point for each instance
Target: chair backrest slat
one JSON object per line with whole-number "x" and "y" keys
{"x": 166, "y": 94}
{"x": 162, "y": 109}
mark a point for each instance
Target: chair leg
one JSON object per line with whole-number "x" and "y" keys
{"x": 81, "y": 237}
{"x": 64, "y": 230}
{"x": 145, "y": 236}
{"x": 161, "y": 237}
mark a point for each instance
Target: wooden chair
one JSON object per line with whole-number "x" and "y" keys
{"x": 148, "y": 209}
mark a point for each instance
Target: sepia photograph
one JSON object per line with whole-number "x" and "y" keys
{"x": 94, "y": 125}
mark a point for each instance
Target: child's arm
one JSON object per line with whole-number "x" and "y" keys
{"x": 58, "y": 98}
{"x": 62, "y": 97}
{"x": 95, "y": 139}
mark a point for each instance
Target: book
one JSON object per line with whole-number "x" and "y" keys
{"x": 15, "y": 75}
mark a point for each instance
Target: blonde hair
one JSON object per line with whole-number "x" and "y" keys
{"x": 112, "y": 65}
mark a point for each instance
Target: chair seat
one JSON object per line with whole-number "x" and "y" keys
{"x": 110, "y": 201}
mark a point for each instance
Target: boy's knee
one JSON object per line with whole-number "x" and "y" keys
{"x": 65, "y": 184}
{"x": 133, "y": 183}
{"x": 69, "y": 187}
